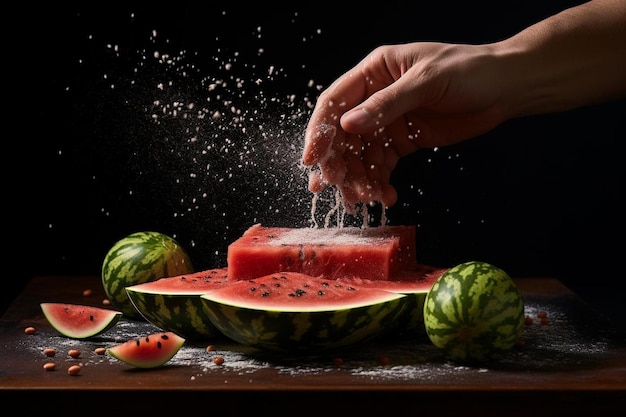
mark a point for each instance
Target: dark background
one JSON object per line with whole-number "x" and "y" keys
{"x": 537, "y": 196}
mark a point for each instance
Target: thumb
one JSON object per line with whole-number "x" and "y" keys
{"x": 381, "y": 108}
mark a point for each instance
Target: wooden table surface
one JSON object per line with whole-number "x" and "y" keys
{"x": 576, "y": 362}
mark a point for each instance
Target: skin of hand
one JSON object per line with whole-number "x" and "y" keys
{"x": 401, "y": 98}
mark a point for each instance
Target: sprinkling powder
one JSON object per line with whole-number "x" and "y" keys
{"x": 208, "y": 142}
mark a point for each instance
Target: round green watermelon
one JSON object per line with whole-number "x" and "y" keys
{"x": 474, "y": 312}
{"x": 137, "y": 258}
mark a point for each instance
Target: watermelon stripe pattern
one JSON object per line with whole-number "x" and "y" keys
{"x": 304, "y": 332}
{"x": 296, "y": 313}
{"x": 138, "y": 258}
{"x": 173, "y": 304}
{"x": 474, "y": 312}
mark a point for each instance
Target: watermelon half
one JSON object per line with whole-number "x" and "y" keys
{"x": 149, "y": 351}
{"x": 415, "y": 283}
{"x": 79, "y": 321}
{"x": 295, "y": 312}
{"x": 173, "y": 304}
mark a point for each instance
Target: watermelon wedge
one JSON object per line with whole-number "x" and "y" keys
{"x": 148, "y": 352}
{"x": 295, "y": 312}
{"x": 415, "y": 283}
{"x": 79, "y": 321}
{"x": 173, "y": 304}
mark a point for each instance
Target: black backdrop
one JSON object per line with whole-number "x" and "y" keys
{"x": 109, "y": 142}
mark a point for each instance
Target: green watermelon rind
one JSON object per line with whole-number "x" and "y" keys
{"x": 477, "y": 296}
{"x": 304, "y": 329}
{"x": 108, "y": 319}
{"x": 178, "y": 311}
{"x": 134, "y": 260}
{"x": 130, "y": 352}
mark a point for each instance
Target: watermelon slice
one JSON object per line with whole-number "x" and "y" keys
{"x": 295, "y": 312}
{"x": 415, "y": 283}
{"x": 148, "y": 352}
{"x": 173, "y": 304}
{"x": 376, "y": 253}
{"x": 79, "y": 321}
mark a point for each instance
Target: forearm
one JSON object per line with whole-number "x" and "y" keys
{"x": 572, "y": 59}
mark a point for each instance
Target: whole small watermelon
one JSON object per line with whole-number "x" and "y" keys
{"x": 137, "y": 258}
{"x": 474, "y": 312}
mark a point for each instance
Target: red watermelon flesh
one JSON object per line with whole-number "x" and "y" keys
{"x": 415, "y": 283}
{"x": 295, "y": 291}
{"x": 418, "y": 279}
{"x": 188, "y": 284}
{"x": 79, "y": 321}
{"x": 149, "y": 351}
{"x": 377, "y": 253}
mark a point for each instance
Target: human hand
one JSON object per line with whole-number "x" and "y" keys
{"x": 398, "y": 99}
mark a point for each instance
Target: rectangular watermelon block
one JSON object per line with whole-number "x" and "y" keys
{"x": 376, "y": 253}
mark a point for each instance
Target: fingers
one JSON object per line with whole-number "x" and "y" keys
{"x": 346, "y": 135}
{"x": 391, "y": 95}
{"x": 318, "y": 138}
{"x": 342, "y": 95}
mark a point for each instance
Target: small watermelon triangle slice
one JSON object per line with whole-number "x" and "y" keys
{"x": 79, "y": 321}
{"x": 148, "y": 352}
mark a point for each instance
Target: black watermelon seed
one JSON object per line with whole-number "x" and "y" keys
{"x": 159, "y": 345}
{"x": 164, "y": 337}
{"x": 265, "y": 294}
{"x": 137, "y": 342}
{"x": 91, "y": 317}
{"x": 320, "y": 292}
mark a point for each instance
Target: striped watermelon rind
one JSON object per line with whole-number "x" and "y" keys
{"x": 173, "y": 304}
{"x": 137, "y": 258}
{"x": 474, "y": 312}
{"x": 297, "y": 324}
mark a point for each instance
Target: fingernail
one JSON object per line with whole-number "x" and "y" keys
{"x": 359, "y": 119}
